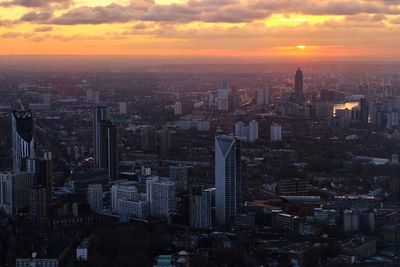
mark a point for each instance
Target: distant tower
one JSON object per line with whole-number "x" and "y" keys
{"x": 179, "y": 174}
{"x": 22, "y": 138}
{"x": 147, "y": 139}
{"x": 100, "y": 113}
{"x": 109, "y": 148}
{"x": 165, "y": 140}
{"x": 299, "y": 86}
{"x": 227, "y": 178}
{"x": 276, "y": 132}
{"x": 95, "y": 197}
{"x": 178, "y": 108}
{"x": 262, "y": 97}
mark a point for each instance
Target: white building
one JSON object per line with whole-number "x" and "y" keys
{"x": 82, "y": 250}
{"x": 127, "y": 201}
{"x": 15, "y": 191}
{"x": 247, "y": 133}
{"x": 262, "y": 97}
{"x": 95, "y": 197}
{"x": 178, "y": 108}
{"x": 227, "y": 178}
{"x": 161, "y": 197}
{"x": 276, "y": 132}
{"x": 123, "y": 108}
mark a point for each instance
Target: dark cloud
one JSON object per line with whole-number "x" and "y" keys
{"x": 232, "y": 11}
{"x": 36, "y": 16}
{"x": 36, "y": 3}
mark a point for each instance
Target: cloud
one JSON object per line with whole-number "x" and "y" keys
{"x": 43, "y": 29}
{"x": 36, "y": 3}
{"x": 36, "y": 16}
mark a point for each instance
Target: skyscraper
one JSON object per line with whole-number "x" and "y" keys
{"x": 223, "y": 97}
{"x": 41, "y": 191}
{"x": 227, "y": 178}
{"x": 95, "y": 197}
{"x": 276, "y": 132}
{"x": 147, "y": 139}
{"x": 100, "y": 113}
{"x": 161, "y": 196}
{"x": 200, "y": 206}
{"x": 109, "y": 149}
{"x": 165, "y": 140}
{"x": 298, "y": 87}
{"x": 262, "y": 97}
{"x": 22, "y": 138}
{"x": 14, "y": 191}
{"x": 179, "y": 174}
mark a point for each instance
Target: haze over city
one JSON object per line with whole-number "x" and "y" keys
{"x": 250, "y": 29}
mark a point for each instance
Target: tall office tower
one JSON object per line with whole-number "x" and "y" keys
{"x": 100, "y": 113}
{"x": 95, "y": 197}
{"x": 164, "y": 141}
{"x": 109, "y": 149}
{"x": 223, "y": 97}
{"x": 253, "y": 131}
{"x": 89, "y": 95}
{"x": 262, "y": 97}
{"x": 123, "y": 108}
{"x": 227, "y": 178}
{"x": 96, "y": 97}
{"x": 161, "y": 197}
{"x": 38, "y": 202}
{"x": 364, "y": 111}
{"x": 14, "y": 191}
{"x": 179, "y": 175}
{"x": 200, "y": 200}
{"x": 42, "y": 189}
{"x": 178, "y": 108}
{"x": 22, "y": 138}
{"x": 298, "y": 87}
{"x": 148, "y": 139}
{"x": 276, "y": 132}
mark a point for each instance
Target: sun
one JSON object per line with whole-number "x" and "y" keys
{"x": 301, "y": 47}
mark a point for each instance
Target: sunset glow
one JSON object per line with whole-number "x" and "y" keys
{"x": 229, "y": 28}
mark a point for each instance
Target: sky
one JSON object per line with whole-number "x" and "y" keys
{"x": 308, "y": 29}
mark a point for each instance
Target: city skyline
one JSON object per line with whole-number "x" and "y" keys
{"x": 306, "y": 30}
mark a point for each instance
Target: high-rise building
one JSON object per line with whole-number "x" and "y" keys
{"x": 15, "y": 191}
{"x": 127, "y": 201}
{"x": 161, "y": 197}
{"x": 123, "y": 108}
{"x": 298, "y": 87}
{"x": 276, "y": 132}
{"x": 41, "y": 191}
{"x": 178, "y": 108}
{"x": 200, "y": 199}
{"x": 22, "y": 138}
{"x": 227, "y": 178}
{"x": 100, "y": 113}
{"x": 247, "y": 133}
{"x": 147, "y": 139}
{"x": 38, "y": 207}
{"x": 364, "y": 111}
{"x": 253, "y": 131}
{"x": 223, "y": 97}
{"x": 262, "y": 97}
{"x": 95, "y": 197}
{"x": 179, "y": 175}
{"x": 109, "y": 148}
{"x": 165, "y": 140}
